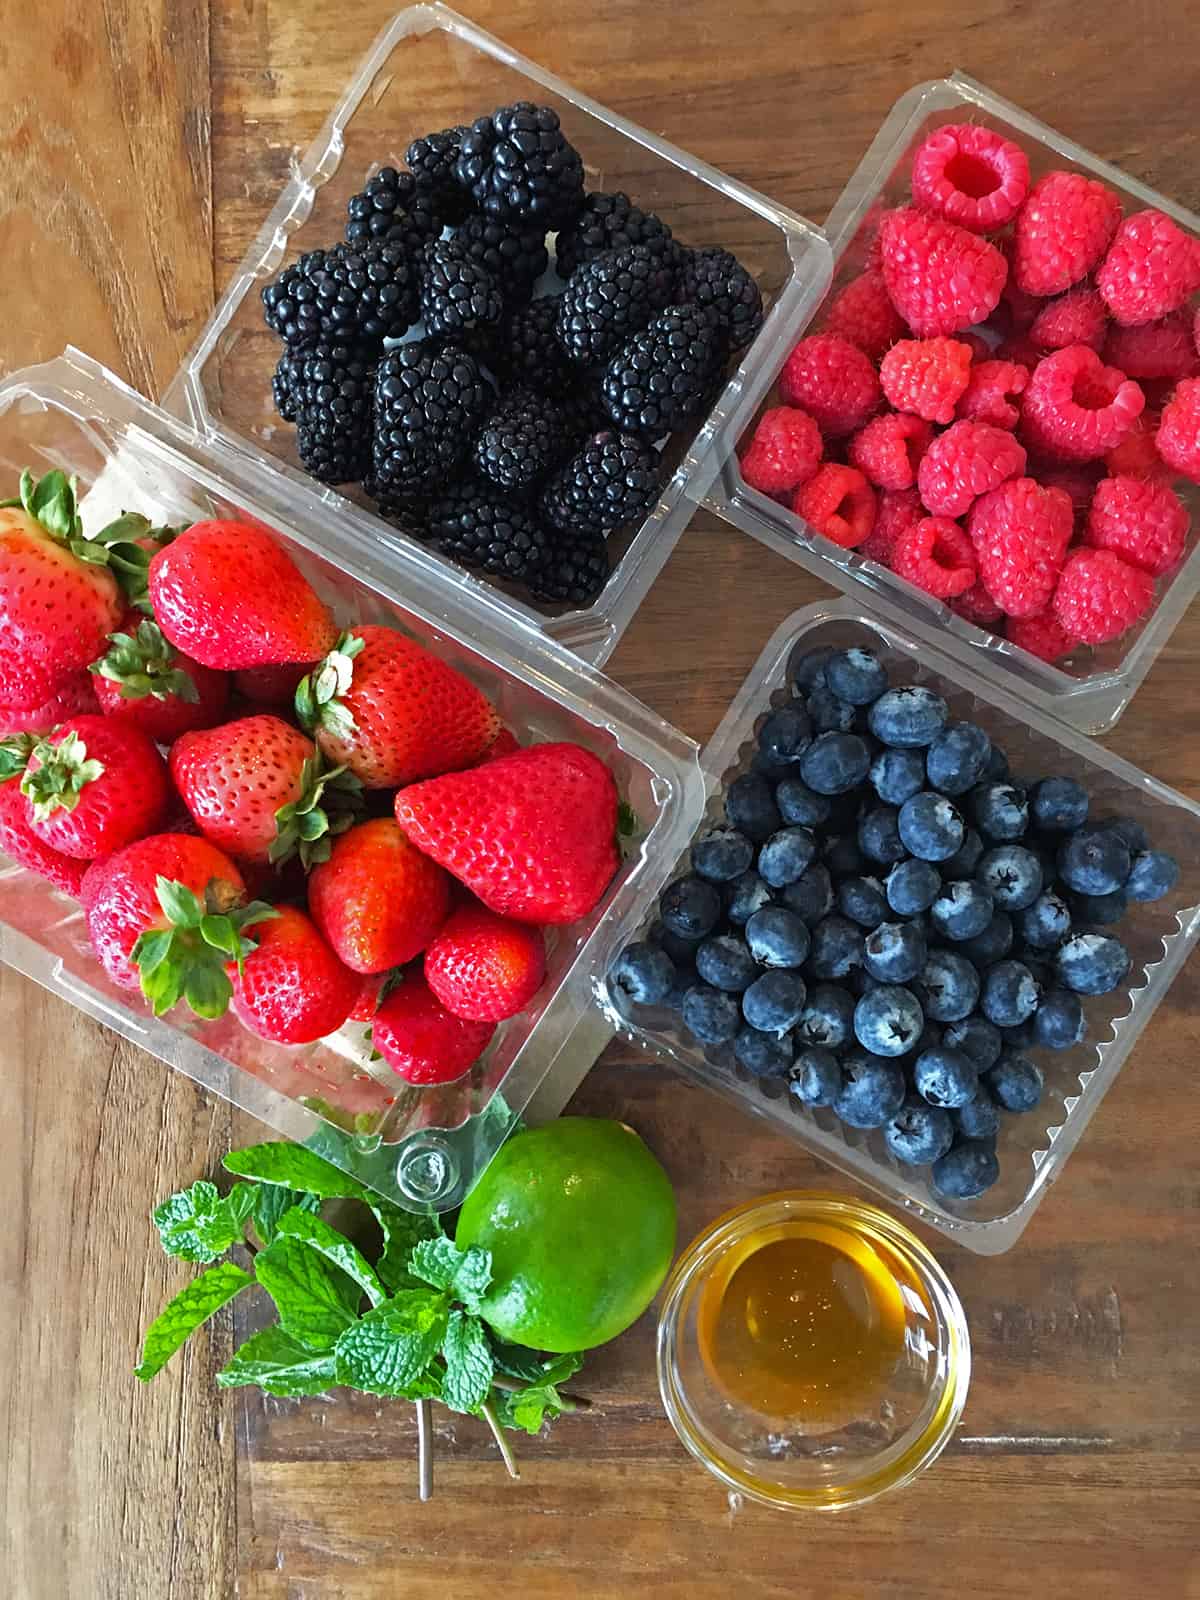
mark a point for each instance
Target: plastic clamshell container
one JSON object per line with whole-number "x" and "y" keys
{"x": 421, "y": 1148}
{"x": 1092, "y": 688}
{"x": 1032, "y": 1148}
{"x": 224, "y": 387}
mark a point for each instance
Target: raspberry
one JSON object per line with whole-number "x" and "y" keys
{"x": 977, "y": 606}
{"x": 1077, "y": 317}
{"x": 1021, "y": 532}
{"x": 1062, "y": 231}
{"x": 1017, "y": 310}
{"x": 971, "y": 176}
{"x": 889, "y": 449}
{"x": 838, "y": 502}
{"x": 1099, "y": 596}
{"x": 833, "y": 381}
{"x": 1163, "y": 349}
{"x": 1018, "y": 351}
{"x": 1043, "y": 636}
{"x": 936, "y": 555}
{"x": 926, "y": 376}
{"x": 1143, "y": 522}
{"x": 785, "y": 451}
{"x": 1079, "y": 480}
{"x": 863, "y": 313}
{"x": 985, "y": 399}
{"x": 941, "y": 277}
{"x": 1178, "y": 437}
{"x": 1151, "y": 268}
{"x": 898, "y": 510}
{"x": 1137, "y": 454}
{"x": 1076, "y": 408}
{"x": 966, "y": 461}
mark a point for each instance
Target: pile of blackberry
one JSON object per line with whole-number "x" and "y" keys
{"x": 888, "y": 920}
{"x": 514, "y": 434}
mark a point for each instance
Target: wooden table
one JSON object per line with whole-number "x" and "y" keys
{"x": 141, "y": 142}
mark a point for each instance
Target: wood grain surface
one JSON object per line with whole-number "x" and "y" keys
{"x": 1077, "y": 1465}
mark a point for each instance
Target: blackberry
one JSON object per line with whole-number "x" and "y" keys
{"x": 458, "y": 296}
{"x": 334, "y": 398}
{"x": 428, "y": 402}
{"x": 530, "y": 352}
{"x": 514, "y": 256}
{"x": 345, "y": 293}
{"x": 283, "y": 381}
{"x": 611, "y": 481}
{"x": 611, "y": 298}
{"x": 517, "y": 164}
{"x": 577, "y": 570}
{"x": 471, "y": 524}
{"x": 393, "y": 209}
{"x": 606, "y": 222}
{"x": 290, "y": 300}
{"x": 663, "y": 375}
{"x": 716, "y": 281}
{"x": 431, "y": 161}
{"x": 525, "y": 437}
{"x": 406, "y": 512}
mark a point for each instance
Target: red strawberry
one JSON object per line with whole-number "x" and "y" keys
{"x": 532, "y": 834}
{"x": 22, "y": 845}
{"x": 262, "y": 791}
{"x": 92, "y": 786}
{"x": 421, "y": 1040}
{"x": 485, "y": 967}
{"x": 76, "y": 695}
{"x": 377, "y": 899}
{"x": 144, "y": 680}
{"x": 391, "y": 712}
{"x": 292, "y": 988}
{"x": 271, "y": 686}
{"x": 504, "y": 744}
{"x": 227, "y": 595}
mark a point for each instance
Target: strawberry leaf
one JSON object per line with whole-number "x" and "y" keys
{"x": 14, "y": 754}
{"x": 207, "y": 991}
{"x": 64, "y": 770}
{"x": 145, "y": 664}
{"x": 329, "y": 803}
{"x": 318, "y": 702}
{"x": 51, "y": 502}
{"x": 187, "y": 960}
{"x": 179, "y": 904}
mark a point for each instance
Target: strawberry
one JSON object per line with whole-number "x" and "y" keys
{"x": 144, "y": 680}
{"x": 227, "y": 595}
{"x": 533, "y": 834}
{"x": 504, "y": 744}
{"x": 391, "y": 712}
{"x": 485, "y": 967}
{"x": 377, "y": 899}
{"x": 22, "y": 845}
{"x": 262, "y": 791}
{"x": 292, "y": 988}
{"x": 421, "y": 1040}
{"x": 271, "y": 686}
{"x": 75, "y": 695}
{"x": 92, "y": 786}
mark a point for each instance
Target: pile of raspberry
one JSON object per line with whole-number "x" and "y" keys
{"x": 998, "y": 405}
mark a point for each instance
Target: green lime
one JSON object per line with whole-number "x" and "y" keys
{"x": 580, "y": 1220}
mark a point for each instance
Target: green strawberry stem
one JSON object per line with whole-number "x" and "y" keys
{"x": 318, "y": 702}
{"x": 144, "y": 664}
{"x": 15, "y": 752}
{"x": 186, "y": 960}
{"x": 63, "y": 772}
{"x": 330, "y": 801}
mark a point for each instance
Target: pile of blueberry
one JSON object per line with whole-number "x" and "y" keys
{"x": 888, "y": 920}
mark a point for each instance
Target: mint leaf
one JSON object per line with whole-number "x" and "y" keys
{"x": 473, "y": 1276}
{"x": 529, "y": 1408}
{"x": 189, "y": 1310}
{"x": 531, "y": 1366}
{"x": 316, "y": 1302}
{"x": 468, "y": 1377}
{"x": 334, "y": 1246}
{"x": 465, "y": 1273}
{"x": 388, "y": 1349}
{"x": 196, "y": 1224}
{"x": 297, "y": 1168}
{"x": 402, "y": 1230}
{"x": 278, "y": 1364}
{"x": 270, "y": 1203}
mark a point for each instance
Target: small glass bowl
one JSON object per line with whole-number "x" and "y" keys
{"x": 800, "y": 1465}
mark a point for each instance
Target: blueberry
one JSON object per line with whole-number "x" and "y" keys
{"x": 862, "y": 900}
{"x": 879, "y": 837}
{"x": 898, "y": 774}
{"x": 690, "y": 907}
{"x": 1131, "y": 834}
{"x": 962, "y": 910}
{"x": 965, "y": 859}
{"x": 1154, "y": 873}
{"x": 681, "y": 951}
{"x": 828, "y": 714}
{"x": 888, "y": 1021}
{"x": 930, "y": 826}
{"x": 1014, "y": 1082}
{"x": 1014, "y": 875}
{"x": 1091, "y": 963}
{"x": 775, "y": 1002}
{"x": 908, "y": 718}
{"x": 811, "y": 896}
{"x": 828, "y": 1017}
{"x": 744, "y": 896}
{"x": 1094, "y": 861}
{"x": 945, "y": 1077}
{"x": 765, "y": 1055}
{"x": 786, "y": 734}
{"x": 786, "y": 856}
{"x": 1059, "y": 1022}
{"x": 912, "y": 887}
{"x": 777, "y": 937}
{"x": 808, "y": 670}
{"x": 978, "y": 1119}
{"x": 800, "y": 806}
{"x": 843, "y": 857}
{"x": 1059, "y": 805}
{"x": 772, "y": 771}
{"x": 894, "y": 952}
{"x": 857, "y": 676}
{"x": 750, "y": 806}
{"x": 1046, "y": 922}
{"x": 1100, "y": 910}
{"x": 1010, "y": 994}
{"x": 958, "y": 757}
{"x": 860, "y": 982}
{"x": 872, "y": 1091}
{"x": 976, "y": 1038}
{"x": 686, "y": 977}
{"x": 726, "y": 963}
{"x": 713, "y": 1017}
{"x": 918, "y": 1133}
{"x": 722, "y": 855}
{"x": 815, "y": 1078}
{"x": 835, "y": 763}
{"x": 642, "y": 974}
{"x": 966, "y": 1170}
{"x": 949, "y": 986}
{"x": 999, "y": 810}
{"x": 836, "y": 947}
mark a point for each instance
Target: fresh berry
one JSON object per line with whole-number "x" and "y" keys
{"x": 750, "y": 805}
{"x": 945, "y": 1077}
{"x": 722, "y": 855}
{"x": 1153, "y": 874}
{"x": 895, "y": 512}
{"x": 716, "y": 281}
{"x": 376, "y": 899}
{"x": 765, "y": 1054}
{"x": 144, "y": 680}
{"x": 1094, "y": 861}
{"x": 888, "y": 1021}
{"x": 484, "y": 967}
{"x": 856, "y": 676}
{"x": 606, "y": 222}
{"x": 786, "y": 856}
{"x": 962, "y": 910}
{"x": 815, "y": 1076}
{"x": 926, "y": 377}
{"x": 291, "y": 988}
{"x": 930, "y": 826}
{"x": 1014, "y": 1082}
{"x": 863, "y": 313}
{"x": 968, "y": 1169}
{"x": 1012, "y": 874}
{"x": 889, "y": 449}
{"x": 879, "y": 836}
{"x": 777, "y": 937}
{"x": 811, "y": 896}
{"x": 352, "y": 293}
{"x": 76, "y": 696}
{"x": 837, "y": 947}
{"x": 970, "y": 175}
{"x": 432, "y": 160}
{"x": 1136, "y": 456}
{"x": 1042, "y": 635}
{"x": 421, "y": 1040}
{"x": 872, "y": 1091}
{"x": 807, "y": 672}
{"x": 1059, "y": 1021}
{"x": 828, "y": 713}
{"x": 1062, "y": 231}
{"x": 22, "y": 845}
{"x": 1161, "y": 349}
{"x": 949, "y": 986}
{"x": 690, "y": 907}
{"x": 966, "y": 858}
{"x": 517, "y": 164}
{"x": 744, "y": 895}
{"x": 575, "y": 570}
{"x": 941, "y": 277}
{"x": 935, "y": 555}
{"x": 1000, "y": 810}
{"x": 976, "y": 1038}
{"x": 908, "y": 718}
{"x": 1178, "y": 437}
{"x": 968, "y": 460}
{"x": 1077, "y": 317}
{"x": 393, "y": 208}
{"x": 1021, "y": 532}
{"x": 522, "y": 440}
{"x": 784, "y": 452}
{"x": 1076, "y": 408}
{"x": 839, "y": 503}
{"x": 1143, "y": 522}
{"x": 827, "y": 1020}
{"x": 958, "y": 757}
{"x": 1058, "y": 805}
{"x": 528, "y": 352}
{"x": 835, "y": 763}
{"x": 862, "y": 900}
{"x": 474, "y": 525}
{"x": 713, "y": 1016}
{"x": 918, "y": 1133}
{"x": 894, "y": 952}
{"x": 612, "y": 480}
{"x": 1046, "y": 922}
{"x": 270, "y": 686}
{"x": 642, "y": 974}
{"x": 514, "y": 257}
{"x": 1099, "y": 596}
{"x": 663, "y": 375}
{"x": 459, "y": 298}
{"x": 333, "y": 396}
{"x": 1091, "y": 963}
{"x": 991, "y": 389}
{"x": 1152, "y": 268}
{"x": 833, "y": 381}
{"x": 774, "y": 1002}
{"x": 785, "y": 735}
{"x": 725, "y": 962}
{"x": 912, "y": 887}
{"x": 992, "y": 945}
{"x": 611, "y": 298}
